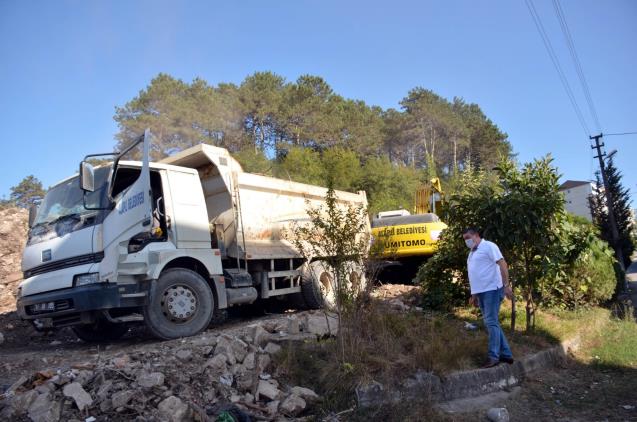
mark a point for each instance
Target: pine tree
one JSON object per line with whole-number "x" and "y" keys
{"x": 621, "y": 211}
{"x": 27, "y": 191}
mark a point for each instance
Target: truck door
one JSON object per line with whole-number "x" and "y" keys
{"x": 131, "y": 216}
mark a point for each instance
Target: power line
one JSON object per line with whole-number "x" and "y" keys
{"x": 620, "y": 134}
{"x": 556, "y": 63}
{"x": 578, "y": 65}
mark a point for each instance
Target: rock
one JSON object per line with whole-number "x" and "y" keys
{"x": 399, "y": 305}
{"x": 149, "y": 380}
{"x": 263, "y": 361}
{"x": 77, "y": 393}
{"x": 226, "y": 379}
{"x": 1, "y": 338}
{"x": 217, "y": 363}
{"x": 120, "y": 361}
{"x": 174, "y": 409}
{"x": 294, "y": 327}
{"x": 248, "y": 398}
{"x": 121, "y": 398}
{"x": 83, "y": 377}
{"x": 267, "y": 390}
{"x": 224, "y": 347}
{"x": 498, "y": 414}
{"x": 370, "y": 394}
{"x": 21, "y": 402}
{"x": 258, "y": 335}
{"x": 44, "y": 410}
{"x": 320, "y": 325}
{"x": 249, "y": 361}
{"x": 235, "y": 398}
{"x": 239, "y": 348}
{"x": 184, "y": 355}
{"x": 104, "y": 390}
{"x": 272, "y": 348}
{"x": 245, "y": 382}
{"x": 273, "y": 407}
{"x": 292, "y": 405}
{"x": 305, "y": 393}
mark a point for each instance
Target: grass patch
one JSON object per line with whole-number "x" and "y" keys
{"x": 387, "y": 347}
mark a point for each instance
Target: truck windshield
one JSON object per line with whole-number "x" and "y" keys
{"x": 67, "y": 199}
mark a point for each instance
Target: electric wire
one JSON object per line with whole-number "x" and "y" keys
{"x": 556, "y": 63}
{"x": 620, "y": 134}
{"x": 576, "y": 61}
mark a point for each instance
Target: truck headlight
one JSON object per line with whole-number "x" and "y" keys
{"x": 82, "y": 279}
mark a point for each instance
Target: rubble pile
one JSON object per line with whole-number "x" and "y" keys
{"x": 196, "y": 378}
{"x": 400, "y": 297}
{"x": 13, "y": 234}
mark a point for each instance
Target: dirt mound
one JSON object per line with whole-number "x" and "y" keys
{"x": 13, "y": 234}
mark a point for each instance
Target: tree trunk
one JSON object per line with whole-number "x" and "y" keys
{"x": 513, "y": 310}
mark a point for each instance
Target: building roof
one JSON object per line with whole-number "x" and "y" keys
{"x": 570, "y": 184}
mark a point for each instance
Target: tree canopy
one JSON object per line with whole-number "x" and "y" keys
{"x": 303, "y": 130}
{"x": 28, "y": 190}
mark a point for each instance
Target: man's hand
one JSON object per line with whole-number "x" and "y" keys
{"x": 473, "y": 301}
{"x": 508, "y": 292}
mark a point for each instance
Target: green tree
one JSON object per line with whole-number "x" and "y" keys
{"x": 621, "y": 210}
{"x": 336, "y": 235}
{"x": 301, "y": 165}
{"x": 520, "y": 213}
{"x": 342, "y": 167}
{"x": 26, "y": 192}
{"x": 254, "y": 161}
{"x": 180, "y": 115}
{"x": 389, "y": 186}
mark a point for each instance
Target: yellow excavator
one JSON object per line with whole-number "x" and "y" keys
{"x": 402, "y": 240}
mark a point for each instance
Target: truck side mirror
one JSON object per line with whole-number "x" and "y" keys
{"x": 33, "y": 212}
{"x": 87, "y": 177}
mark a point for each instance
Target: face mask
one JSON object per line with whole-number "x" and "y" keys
{"x": 470, "y": 243}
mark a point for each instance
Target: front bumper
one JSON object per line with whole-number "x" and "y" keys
{"x": 72, "y": 304}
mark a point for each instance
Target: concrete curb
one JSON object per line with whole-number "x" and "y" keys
{"x": 465, "y": 384}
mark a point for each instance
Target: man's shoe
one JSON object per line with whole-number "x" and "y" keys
{"x": 507, "y": 360}
{"x": 490, "y": 363}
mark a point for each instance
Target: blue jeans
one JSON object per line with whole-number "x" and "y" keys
{"x": 490, "y": 306}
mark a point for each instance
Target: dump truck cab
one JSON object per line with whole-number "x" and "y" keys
{"x": 167, "y": 244}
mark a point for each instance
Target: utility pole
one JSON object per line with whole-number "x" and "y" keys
{"x": 609, "y": 201}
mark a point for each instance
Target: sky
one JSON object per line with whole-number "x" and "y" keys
{"x": 66, "y": 65}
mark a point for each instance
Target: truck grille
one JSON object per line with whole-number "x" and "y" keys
{"x": 64, "y": 263}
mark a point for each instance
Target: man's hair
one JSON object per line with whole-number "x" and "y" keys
{"x": 471, "y": 230}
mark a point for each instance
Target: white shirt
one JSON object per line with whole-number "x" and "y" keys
{"x": 484, "y": 273}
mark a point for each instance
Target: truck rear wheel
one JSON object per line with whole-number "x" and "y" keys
{"x": 317, "y": 286}
{"x": 100, "y": 332}
{"x": 181, "y": 304}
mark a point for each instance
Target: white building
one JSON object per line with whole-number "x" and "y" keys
{"x": 576, "y": 197}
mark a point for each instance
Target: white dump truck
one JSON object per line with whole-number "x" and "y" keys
{"x": 172, "y": 244}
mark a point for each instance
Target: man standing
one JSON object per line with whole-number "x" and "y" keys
{"x": 489, "y": 280}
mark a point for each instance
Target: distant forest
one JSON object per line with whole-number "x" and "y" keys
{"x": 306, "y": 132}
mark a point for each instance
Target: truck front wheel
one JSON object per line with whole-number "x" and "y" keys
{"x": 181, "y": 304}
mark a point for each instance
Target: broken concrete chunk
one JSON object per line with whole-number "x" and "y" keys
{"x": 149, "y": 380}
{"x": 272, "y": 348}
{"x": 498, "y": 414}
{"x": 292, "y": 405}
{"x": 273, "y": 407}
{"x": 174, "y": 409}
{"x": 78, "y": 394}
{"x": 184, "y": 355}
{"x": 293, "y": 326}
{"x": 263, "y": 361}
{"x": 21, "y": 402}
{"x": 239, "y": 348}
{"x": 217, "y": 363}
{"x": 45, "y": 410}
{"x": 305, "y": 393}
{"x": 267, "y": 390}
{"x": 224, "y": 347}
{"x": 258, "y": 335}
{"x": 121, "y": 398}
{"x": 249, "y": 361}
